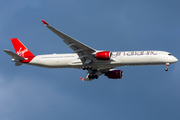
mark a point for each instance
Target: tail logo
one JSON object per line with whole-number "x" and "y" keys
{"x": 21, "y": 52}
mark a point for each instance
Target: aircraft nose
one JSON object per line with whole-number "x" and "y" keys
{"x": 175, "y": 59}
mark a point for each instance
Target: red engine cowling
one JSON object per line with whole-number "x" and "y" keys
{"x": 104, "y": 55}
{"x": 114, "y": 74}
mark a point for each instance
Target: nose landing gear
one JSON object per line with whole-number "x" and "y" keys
{"x": 167, "y": 65}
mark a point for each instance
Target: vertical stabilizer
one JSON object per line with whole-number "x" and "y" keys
{"x": 20, "y": 49}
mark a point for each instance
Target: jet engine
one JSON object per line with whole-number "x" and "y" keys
{"x": 104, "y": 55}
{"x": 114, "y": 74}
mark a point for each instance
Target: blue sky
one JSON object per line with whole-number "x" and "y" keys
{"x": 144, "y": 92}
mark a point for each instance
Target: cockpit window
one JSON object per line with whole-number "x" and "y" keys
{"x": 169, "y": 54}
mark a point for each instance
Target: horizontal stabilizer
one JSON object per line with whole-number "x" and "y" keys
{"x": 13, "y": 55}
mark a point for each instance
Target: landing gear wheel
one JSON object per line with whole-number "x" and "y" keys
{"x": 83, "y": 68}
{"x": 93, "y": 77}
{"x": 89, "y": 76}
{"x": 87, "y": 67}
{"x": 96, "y": 76}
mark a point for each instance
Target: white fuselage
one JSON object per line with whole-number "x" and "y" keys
{"x": 121, "y": 58}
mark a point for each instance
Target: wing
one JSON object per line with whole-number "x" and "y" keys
{"x": 84, "y": 52}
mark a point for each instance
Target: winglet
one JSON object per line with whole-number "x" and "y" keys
{"x": 45, "y": 22}
{"x": 82, "y": 78}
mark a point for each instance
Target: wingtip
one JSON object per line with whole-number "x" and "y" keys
{"x": 82, "y": 78}
{"x": 5, "y": 50}
{"x": 44, "y": 22}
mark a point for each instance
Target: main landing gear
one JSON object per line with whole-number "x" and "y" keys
{"x": 87, "y": 67}
{"x": 167, "y": 65}
{"x": 93, "y": 76}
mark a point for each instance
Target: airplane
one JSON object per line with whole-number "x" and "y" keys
{"x": 96, "y": 62}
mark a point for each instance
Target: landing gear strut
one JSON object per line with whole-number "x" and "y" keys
{"x": 167, "y": 65}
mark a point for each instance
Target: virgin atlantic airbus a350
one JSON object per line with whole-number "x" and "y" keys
{"x": 84, "y": 57}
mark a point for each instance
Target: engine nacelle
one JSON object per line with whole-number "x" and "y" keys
{"x": 114, "y": 74}
{"x": 104, "y": 55}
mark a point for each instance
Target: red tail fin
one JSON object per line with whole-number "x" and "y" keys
{"x": 20, "y": 49}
